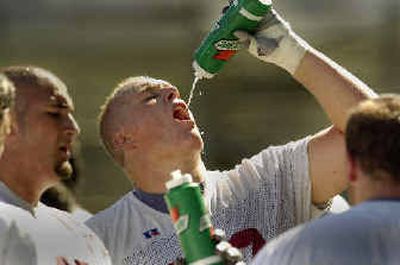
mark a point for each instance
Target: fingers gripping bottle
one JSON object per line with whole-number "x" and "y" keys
{"x": 191, "y": 220}
{"x": 220, "y": 44}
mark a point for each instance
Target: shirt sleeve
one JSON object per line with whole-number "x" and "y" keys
{"x": 278, "y": 174}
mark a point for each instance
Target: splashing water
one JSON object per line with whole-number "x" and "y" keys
{"x": 196, "y": 79}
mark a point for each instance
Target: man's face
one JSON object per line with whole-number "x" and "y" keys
{"x": 46, "y": 130}
{"x": 162, "y": 123}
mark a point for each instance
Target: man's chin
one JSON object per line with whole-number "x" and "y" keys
{"x": 197, "y": 140}
{"x": 199, "y": 144}
{"x": 63, "y": 170}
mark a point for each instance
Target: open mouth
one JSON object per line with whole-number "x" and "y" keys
{"x": 181, "y": 112}
{"x": 66, "y": 151}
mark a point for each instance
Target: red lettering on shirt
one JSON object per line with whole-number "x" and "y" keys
{"x": 248, "y": 237}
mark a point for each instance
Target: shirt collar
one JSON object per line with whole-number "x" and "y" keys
{"x": 8, "y": 196}
{"x": 156, "y": 201}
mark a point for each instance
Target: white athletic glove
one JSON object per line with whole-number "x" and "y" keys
{"x": 275, "y": 42}
{"x": 229, "y": 254}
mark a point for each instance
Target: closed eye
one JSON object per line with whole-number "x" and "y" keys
{"x": 58, "y": 112}
{"x": 152, "y": 97}
{"x": 54, "y": 114}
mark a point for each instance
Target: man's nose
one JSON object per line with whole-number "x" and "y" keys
{"x": 71, "y": 126}
{"x": 170, "y": 94}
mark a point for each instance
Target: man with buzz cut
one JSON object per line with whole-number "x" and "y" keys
{"x": 150, "y": 132}
{"x": 36, "y": 157}
{"x": 369, "y": 233}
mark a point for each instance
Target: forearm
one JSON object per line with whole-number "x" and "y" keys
{"x": 336, "y": 89}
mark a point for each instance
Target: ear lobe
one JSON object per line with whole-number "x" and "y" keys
{"x": 11, "y": 119}
{"x": 118, "y": 140}
{"x": 13, "y": 129}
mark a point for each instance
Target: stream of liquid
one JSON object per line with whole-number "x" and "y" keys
{"x": 196, "y": 79}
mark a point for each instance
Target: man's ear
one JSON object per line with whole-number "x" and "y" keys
{"x": 352, "y": 168}
{"x": 12, "y": 119}
{"x": 123, "y": 140}
{"x": 12, "y": 132}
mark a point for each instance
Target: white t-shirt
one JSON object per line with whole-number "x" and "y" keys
{"x": 44, "y": 235}
{"x": 367, "y": 234}
{"x": 256, "y": 201}
{"x": 80, "y": 214}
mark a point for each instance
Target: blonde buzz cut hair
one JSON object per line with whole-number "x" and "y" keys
{"x": 108, "y": 118}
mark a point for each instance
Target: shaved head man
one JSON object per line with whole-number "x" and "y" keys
{"x": 144, "y": 121}
{"x": 36, "y": 157}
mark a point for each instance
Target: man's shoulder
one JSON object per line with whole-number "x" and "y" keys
{"x": 334, "y": 229}
{"x": 110, "y": 213}
{"x": 136, "y": 234}
{"x": 9, "y": 212}
{"x": 275, "y": 251}
{"x": 328, "y": 238}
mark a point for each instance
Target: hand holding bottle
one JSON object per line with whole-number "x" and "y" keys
{"x": 275, "y": 42}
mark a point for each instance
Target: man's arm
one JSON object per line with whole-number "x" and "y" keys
{"x": 335, "y": 89}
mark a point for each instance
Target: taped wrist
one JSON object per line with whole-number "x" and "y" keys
{"x": 279, "y": 45}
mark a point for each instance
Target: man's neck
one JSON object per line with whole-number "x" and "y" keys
{"x": 152, "y": 179}
{"x": 26, "y": 190}
{"x": 153, "y": 200}
{"x": 378, "y": 190}
{"x": 27, "y": 182}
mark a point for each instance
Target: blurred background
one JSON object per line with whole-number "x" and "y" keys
{"x": 92, "y": 45}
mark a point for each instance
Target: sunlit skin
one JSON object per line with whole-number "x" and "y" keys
{"x": 39, "y": 146}
{"x": 158, "y": 135}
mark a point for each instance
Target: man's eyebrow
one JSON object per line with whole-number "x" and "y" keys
{"x": 59, "y": 102}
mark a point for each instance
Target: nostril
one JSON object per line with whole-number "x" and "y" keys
{"x": 171, "y": 96}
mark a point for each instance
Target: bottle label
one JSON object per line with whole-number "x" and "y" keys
{"x": 205, "y": 222}
{"x": 227, "y": 45}
{"x": 182, "y": 223}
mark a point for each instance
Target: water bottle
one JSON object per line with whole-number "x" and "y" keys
{"x": 191, "y": 220}
{"x": 220, "y": 44}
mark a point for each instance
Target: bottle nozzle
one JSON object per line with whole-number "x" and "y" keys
{"x": 177, "y": 179}
{"x": 200, "y": 73}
